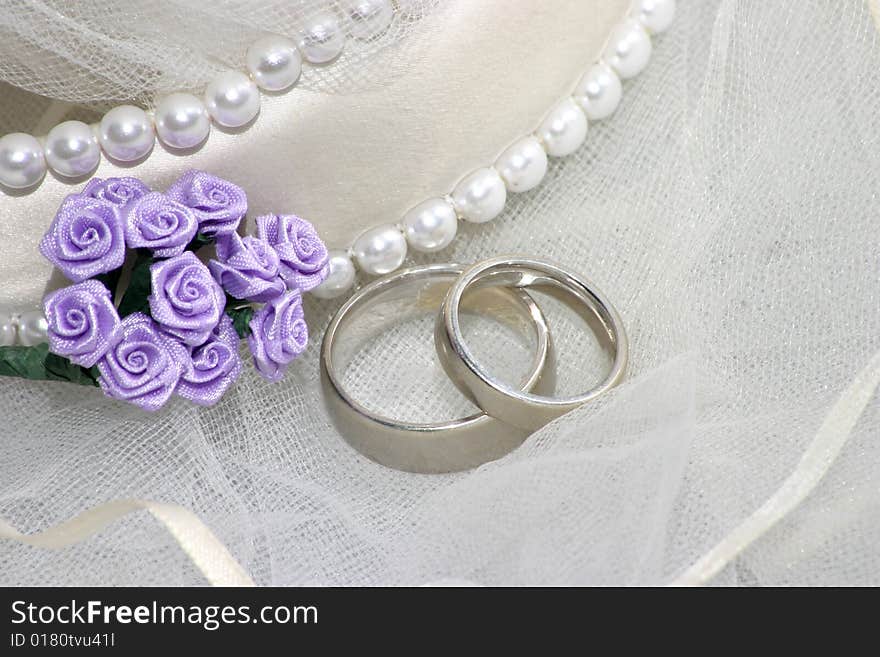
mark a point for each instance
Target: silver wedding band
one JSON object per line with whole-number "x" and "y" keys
{"x": 496, "y": 288}
{"x": 440, "y": 447}
{"x": 526, "y": 409}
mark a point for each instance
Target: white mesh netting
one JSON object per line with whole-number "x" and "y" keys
{"x": 730, "y": 211}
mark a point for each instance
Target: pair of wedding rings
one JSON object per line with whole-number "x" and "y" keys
{"x": 496, "y": 288}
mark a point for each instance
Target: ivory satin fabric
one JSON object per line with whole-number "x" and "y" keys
{"x": 487, "y": 75}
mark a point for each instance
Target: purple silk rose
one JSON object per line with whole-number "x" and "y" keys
{"x": 82, "y": 322}
{"x": 118, "y": 191}
{"x": 144, "y": 366}
{"x": 85, "y": 238}
{"x": 218, "y": 204}
{"x": 304, "y": 257}
{"x": 248, "y": 268}
{"x": 214, "y": 366}
{"x": 186, "y": 301}
{"x": 155, "y": 222}
{"x": 278, "y": 335}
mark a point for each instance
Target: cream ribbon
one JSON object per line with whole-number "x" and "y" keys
{"x": 814, "y": 464}
{"x": 874, "y": 6}
{"x": 199, "y": 543}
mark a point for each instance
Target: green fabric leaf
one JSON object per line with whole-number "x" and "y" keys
{"x": 64, "y": 370}
{"x": 135, "y": 297}
{"x": 241, "y": 317}
{"x": 24, "y": 362}
{"x": 38, "y": 364}
{"x": 200, "y": 241}
{"x": 110, "y": 280}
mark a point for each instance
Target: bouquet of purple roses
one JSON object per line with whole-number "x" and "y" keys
{"x": 176, "y": 326}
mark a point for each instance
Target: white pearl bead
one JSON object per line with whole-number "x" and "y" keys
{"x": 380, "y": 250}
{"x": 7, "y": 330}
{"x": 32, "y": 328}
{"x": 656, "y": 15}
{"x": 629, "y": 49}
{"x": 182, "y": 121}
{"x": 599, "y": 92}
{"x": 369, "y": 18}
{"x": 126, "y": 133}
{"x": 340, "y": 278}
{"x": 564, "y": 129}
{"x": 321, "y": 40}
{"x": 431, "y": 225}
{"x": 480, "y": 196}
{"x": 72, "y": 149}
{"x": 523, "y": 165}
{"x": 22, "y": 163}
{"x": 232, "y": 99}
{"x": 274, "y": 63}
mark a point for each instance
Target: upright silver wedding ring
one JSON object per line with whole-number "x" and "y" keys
{"x": 497, "y": 288}
{"x": 528, "y": 410}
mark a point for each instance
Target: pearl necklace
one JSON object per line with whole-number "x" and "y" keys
{"x": 480, "y": 196}
{"x": 182, "y": 121}
{"x": 274, "y": 63}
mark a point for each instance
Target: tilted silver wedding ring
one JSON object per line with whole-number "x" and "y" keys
{"x": 496, "y": 288}
{"x": 449, "y": 446}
